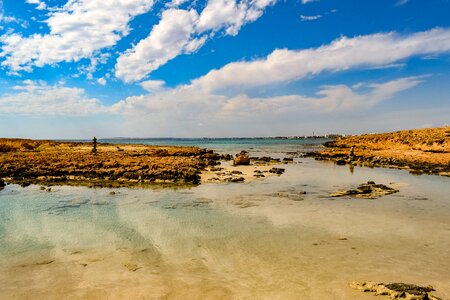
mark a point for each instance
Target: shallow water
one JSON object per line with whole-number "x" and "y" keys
{"x": 259, "y": 240}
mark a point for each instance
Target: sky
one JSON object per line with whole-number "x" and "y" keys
{"x": 73, "y": 69}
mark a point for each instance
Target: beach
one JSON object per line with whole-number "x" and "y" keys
{"x": 275, "y": 237}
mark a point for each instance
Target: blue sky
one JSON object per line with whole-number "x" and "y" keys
{"x": 142, "y": 68}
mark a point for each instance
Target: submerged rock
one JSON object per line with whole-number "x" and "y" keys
{"x": 277, "y": 171}
{"x": 237, "y": 179}
{"x": 370, "y": 190}
{"x": 396, "y": 290}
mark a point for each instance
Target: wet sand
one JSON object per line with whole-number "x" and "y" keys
{"x": 277, "y": 238}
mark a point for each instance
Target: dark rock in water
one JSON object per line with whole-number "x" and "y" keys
{"x": 216, "y": 169}
{"x": 288, "y": 159}
{"x": 112, "y": 193}
{"x": 238, "y": 179}
{"x": 236, "y": 172}
{"x": 396, "y": 290}
{"x": 226, "y": 157}
{"x": 242, "y": 159}
{"x": 341, "y": 162}
{"x": 2, "y": 185}
{"x": 277, "y": 171}
{"x": 265, "y": 160}
{"x": 416, "y": 171}
{"x": 370, "y": 190}
{"x": 25, "y": 183}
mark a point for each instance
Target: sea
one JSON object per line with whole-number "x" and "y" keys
{"x": 281, "y": 237}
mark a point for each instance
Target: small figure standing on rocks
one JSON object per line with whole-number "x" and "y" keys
{"x": 94, "y": 145}
{"x": 351, "y": 154}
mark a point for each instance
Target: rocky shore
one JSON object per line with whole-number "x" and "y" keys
{"x": 396, "y": 290}
{"x": 421, "y": 151}
{"x": 28, "y": 162}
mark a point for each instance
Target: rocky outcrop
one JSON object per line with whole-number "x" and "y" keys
{"x": 424, "y": 151}
{"x": 369, "y": 190}
{"x": 396, "y": 290}
{"x": 242, "y": 159}
{"x": 73, "y": 164}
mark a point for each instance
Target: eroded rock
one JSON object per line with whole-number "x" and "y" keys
{"x": 370, "y": 190}
{"x": 396, "y": 290}
{"x": 242, "y": 159}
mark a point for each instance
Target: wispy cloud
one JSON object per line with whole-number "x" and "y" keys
{"x": 401, "y": 2}
{"x": 36, "y": 98}
{"x": 40, "y": 4}
{"x": 308, "y": 1}
{"x": 310, "y": 18}
{"x": 284, "y": 65}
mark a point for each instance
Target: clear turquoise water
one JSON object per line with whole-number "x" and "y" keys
{"x": 232, "y": 145}
{"x": 256, "y": 240}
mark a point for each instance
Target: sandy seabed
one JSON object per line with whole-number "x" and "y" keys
{"x": 281, "y": 237}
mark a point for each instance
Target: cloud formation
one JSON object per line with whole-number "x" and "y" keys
{"x": 40, "y": 4}
{"x": 284, "y": 65}
{"x": 310, "y": 18}
{"x": 185, "y": 31}
{"x": 39, "y": 99}
{"x": 76, "y": 31}
{"x": 186, "y": 111}
{"x": 167, "y": 40}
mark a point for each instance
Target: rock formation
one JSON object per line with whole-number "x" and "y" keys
{"x": 396, "y": 290}
{"x": 242, "y": 159}
{"x": 369, "y": 190}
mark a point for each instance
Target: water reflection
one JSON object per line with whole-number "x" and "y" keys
{"x": 277, "y": 238}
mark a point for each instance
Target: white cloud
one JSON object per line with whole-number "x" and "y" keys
{"x": 284, "y": 65}
{"x": 40, "y": 4}
{"x": 77, "y": 30}
{"x": 180, "y": 111}
{"x": 310, "y": 18}
{"x": 4, "y": 18}
{"x": 401, "y": 2}
{"x": 153, "y": 85}
{"x": 39, "y": 99}
{"x": 167, "y": 40}
{"x": 309, "y": 1}
{"x": 230, "y": 14}
{"x": 329, "y": 99}
{"x": 175, "y": 3}
{"x": 101, "y": 81}
{"x": 181, "y": 31}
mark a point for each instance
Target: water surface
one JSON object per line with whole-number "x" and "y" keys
{"x": 259, "y": 240}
